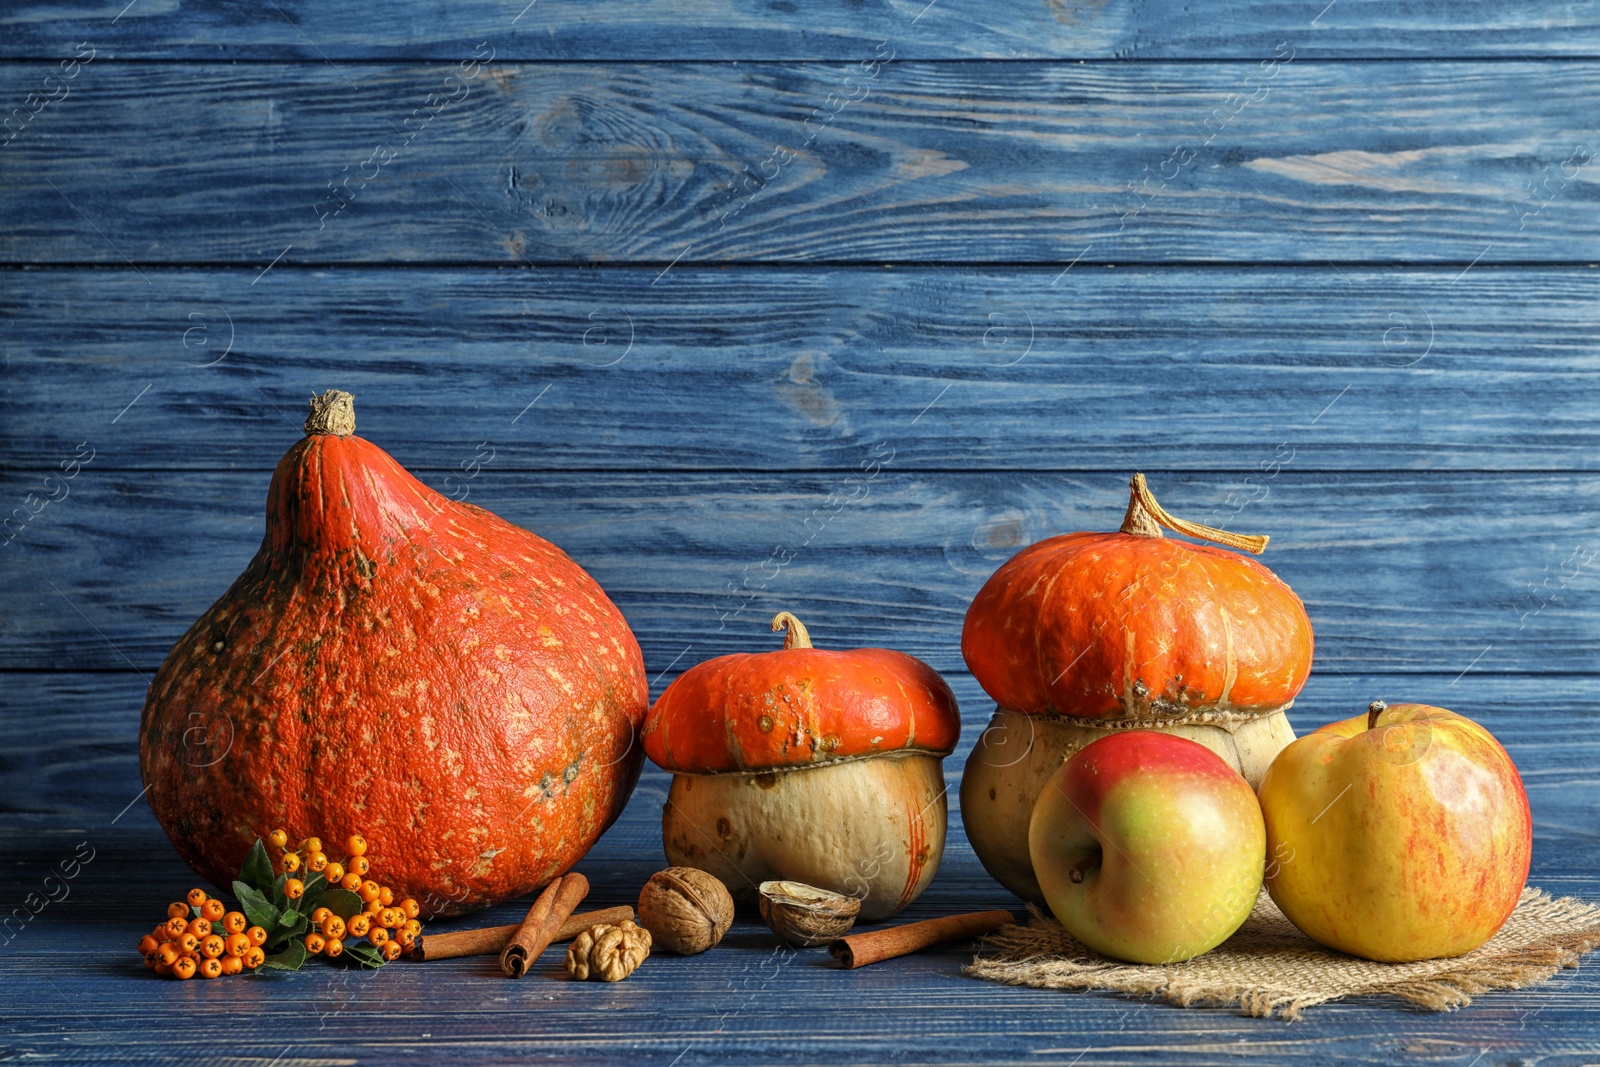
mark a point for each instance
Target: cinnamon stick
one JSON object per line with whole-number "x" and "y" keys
{"x": 490, "y": 940}
{"x": 543, "y": 921}
{"x": 859, "y": 950}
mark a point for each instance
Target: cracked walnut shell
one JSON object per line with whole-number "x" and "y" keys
{"x": 686, "y": 910}
{"x": 608, "y": 953}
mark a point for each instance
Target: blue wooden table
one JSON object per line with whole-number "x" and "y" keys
{"x": 652, "y": 279}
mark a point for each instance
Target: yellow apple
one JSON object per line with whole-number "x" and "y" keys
{"x": 1148, "y": 847}
{"x": 1402, "y": 834}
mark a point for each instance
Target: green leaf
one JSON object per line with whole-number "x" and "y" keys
{"x": 291, "y": 925}
{"x": 314, "y": 884}
{"x": 341, "y": 902}
{"x": 363, "y": 953}
{"x": 292, "y": 958}
{"x": 256, "y": 907}
{"x": 275, "y": 892}
{"x": 257, "y": 870}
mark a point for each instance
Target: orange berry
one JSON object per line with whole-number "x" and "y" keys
{"x": 161, "y": 933}
{"x": 378, "y": 936}
{"x": 372, "y": 908}
{"x": 333, "y": 872}
{"x": 213, "y": 910}
{"x": 414, "y": 925}
{"x": 410, "y": 907}
{"x": 169, "y": 953}
{"x": 176, "y": 927}
{"x": 148, "y": 944}
{"x": 294, "y": 889}
{"x": 238, "y": 944}
{"x": 358, "y": 925}
{"x": 197, "y": 897}
{"x": 290, "y": 863}
{"x": 392, "y": 950}
{"x": 232, "y": 965}
{"x": 277, "y": 839}
{"x": 188, "y": 944}
{"x": 152, "y": 961}
{"x": 368, "y": 890}
{"x": 405, "y": 938}
{"x": 311, "y": 844}
{"x": 320, "y": 914}
{"x": 199, "y": 927}
{"x": 213, "y": 946}
{"x": 351, "y": 881}
{"x": 177, "y": 910}
{"x": 333, "y": 949}
{"x": 356, "y": 845}
{"x": 257, "y": 936}
{"x": 211, "y": 968}
{"x": 184, "y": 967}
{"x": 314, "y": 943}
{"x": 360, "y": 864}
{"x": 385, "y": 895}
{"x": 333, "y": 927}
{"x": 235, "y": 923}
{"x": 316, "y": 861}
{"x": 253, "y": 958}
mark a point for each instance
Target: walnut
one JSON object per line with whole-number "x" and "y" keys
{"x": 804, "y": 915}
{"x": 608, "y": 953}
{"x": 686, "y": 910}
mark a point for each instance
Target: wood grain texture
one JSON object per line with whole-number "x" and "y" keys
{"x": 818, "y": 30}
{"x": 1279, "y": 159}
{"x": 974, "y": 369}
{"x": 1475, "y": 573}
{"x": 89, "y": 1002}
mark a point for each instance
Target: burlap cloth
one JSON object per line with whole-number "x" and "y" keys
{"x": 1270, "y": 968}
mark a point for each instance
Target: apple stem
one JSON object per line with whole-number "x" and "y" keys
{"x": 1145, "y": 517}
{"x": 1374, "y": 709}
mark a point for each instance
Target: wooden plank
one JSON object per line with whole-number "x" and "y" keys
{"x": 974, "y": 369}
{"x": 79, "y": 758}
{"x": 100, "y": 1007}
{"x": 1285, "y": 159}
{"x": 821, "y": 30}
{"x": 1477, "y": 573}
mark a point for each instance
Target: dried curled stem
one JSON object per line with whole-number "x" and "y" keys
{"x": 1146, "y": 517}
{"x": 796, "y": 635}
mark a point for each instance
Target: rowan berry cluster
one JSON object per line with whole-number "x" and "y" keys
{"x": 390, "y": 925}
{"x": 305, "y": 904}
{"x": 202, "y": 937}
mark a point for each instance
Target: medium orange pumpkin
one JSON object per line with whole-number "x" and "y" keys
{"x": 813, "y": 765}
{"x": 1086, "y": 633}
{"x": 396, "y": 663}
{"x": 1133, "y": 624}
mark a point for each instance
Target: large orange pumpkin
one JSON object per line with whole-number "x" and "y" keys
{"x": 399, "y": 664}
{"x": 1086, "y": 633}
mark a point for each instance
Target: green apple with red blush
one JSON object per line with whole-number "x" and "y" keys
{"x": 1148, "y": 847}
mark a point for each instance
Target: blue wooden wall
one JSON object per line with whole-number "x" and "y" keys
{"x": 653, "y": 279}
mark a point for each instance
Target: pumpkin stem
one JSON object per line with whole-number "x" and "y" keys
{"x": 1374, "y": 709}
{"x": 797, "y": 636}
{"x": 1145, "y": 517}
{"x": 333, "y": 412}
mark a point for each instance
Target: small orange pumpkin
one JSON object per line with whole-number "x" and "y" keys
{"x": 808, "y": 765}
{"x": 1086, "y": 633}
{"x": 451, "y": 685}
